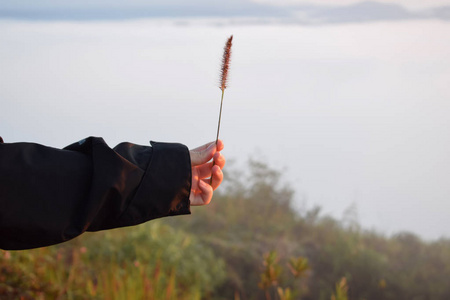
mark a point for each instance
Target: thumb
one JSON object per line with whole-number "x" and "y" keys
{"x": 202, "y": 154}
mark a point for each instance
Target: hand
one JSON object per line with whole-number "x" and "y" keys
{"x": 203, "y": 169}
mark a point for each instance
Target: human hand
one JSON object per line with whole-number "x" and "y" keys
{"x": 203, "y": 169}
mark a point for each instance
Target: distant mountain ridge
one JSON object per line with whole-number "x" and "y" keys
{"x": 367, "y": 11}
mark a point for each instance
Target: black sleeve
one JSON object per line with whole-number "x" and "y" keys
{"x": 48, "y": 195}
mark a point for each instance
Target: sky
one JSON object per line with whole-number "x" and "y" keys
{"x": 354, "y": 113}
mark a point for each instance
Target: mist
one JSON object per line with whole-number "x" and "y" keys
{"x": 355, "y": 114}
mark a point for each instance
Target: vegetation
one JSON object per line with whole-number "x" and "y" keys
{"x": 249, "y": 243}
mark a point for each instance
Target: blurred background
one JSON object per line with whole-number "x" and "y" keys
{"x": 335, "y": 125}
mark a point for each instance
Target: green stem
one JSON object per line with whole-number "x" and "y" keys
{"x": 220, "y": 115}
{"x": 218, "y": 127}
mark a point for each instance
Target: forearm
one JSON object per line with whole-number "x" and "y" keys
{"x": 49, "y": 195}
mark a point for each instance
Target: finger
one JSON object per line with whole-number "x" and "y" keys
{"x": 199, "y": 157}
{"x": 204, "y": 171}
{"x": 220, "y": 145}
{"x": 207, "y": 191}
{"x": 217, "y": 177}
{"x": 204, "y": 195}
{"x": 219, "y": 159}
{"x": 203, "y": 147}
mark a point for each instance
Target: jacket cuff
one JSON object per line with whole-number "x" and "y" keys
{"x": 165, "y": 187}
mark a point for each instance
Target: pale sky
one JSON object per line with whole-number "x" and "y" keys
{"x": 354, "y": 113}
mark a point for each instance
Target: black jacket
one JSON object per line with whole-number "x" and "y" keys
{"x": 48, "y": 195}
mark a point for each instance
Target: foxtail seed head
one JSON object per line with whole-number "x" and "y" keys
{"x": 225, "y": 63}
